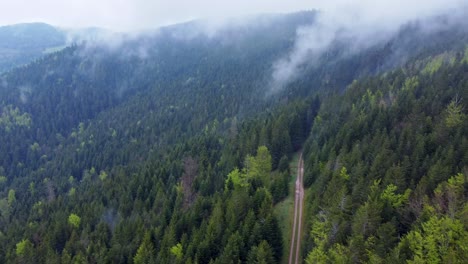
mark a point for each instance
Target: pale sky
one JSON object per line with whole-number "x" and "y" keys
{"x": 125, "y": 15}
{"x": 134, "y": 14}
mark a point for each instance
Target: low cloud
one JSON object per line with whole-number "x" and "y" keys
{"x": 25, "y": 93}
{"x": 360, "y": 26}
{"x": 3, "y": 82}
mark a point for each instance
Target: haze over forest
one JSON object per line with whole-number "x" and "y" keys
{"x": 233, "y": 132}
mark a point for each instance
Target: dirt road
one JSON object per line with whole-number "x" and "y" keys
{"x": 294, "y": 250}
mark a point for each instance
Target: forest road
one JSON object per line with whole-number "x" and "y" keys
{"x": 294, "y": 250}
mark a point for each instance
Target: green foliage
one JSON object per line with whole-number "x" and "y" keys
{"x": 339, "y": 254}
{"x": 35, "y": 146}
{"x": 74, "y": 220}
{"x": 454, "y": 114}
{"x": 320, "y": 230}
{"x": 465, "y": 58}
{"x": 145, "y": 253}
{"x": 449, "y": 196}
{"x": 177, "y": 251}
{"x": 237, "y": 178}
{"x": 232, "y": 252}
{"x": 319, "y": 234}
{"x": 11, "y": 118}
{"x": 344, "y": 174}
{"x": 140, "y": 117}
{"x": 5, "y": 208}
{"x": 433, "y": 65}
{"x": 396, "y": 200}
{"x": 23, "y": 43}
{"x": 259, "y": 167}
{"x": 32, "y": 188}
{"x": 367, "y": 218}
{"x": 11, "y": 197}
{"x": 411, "y": 83}
{"x": 256, "y": 168}
{"x": 261, "y": 254}
{"x": 283, "y": 165}
{"x": 3, "y": 180}
{"x": 440, "y": 240}
{"x": 102, "y": 175}
{"x": 72, "y": 191}
{"x": 279, "y": 186}
{"x": 23, "y": 247}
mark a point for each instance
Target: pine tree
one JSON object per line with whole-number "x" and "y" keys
{"x": 145, "y": 253}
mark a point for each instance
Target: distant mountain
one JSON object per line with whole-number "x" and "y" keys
{"x": 22, "y": 43}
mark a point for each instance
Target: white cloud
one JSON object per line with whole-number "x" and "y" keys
{"x": 362, "y": 23}
{"x": 124, "y": 15}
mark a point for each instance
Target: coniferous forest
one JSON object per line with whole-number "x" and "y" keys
{"x": 170, "y": 149}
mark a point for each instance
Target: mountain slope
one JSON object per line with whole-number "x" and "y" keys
{"x": 22, "y": 43}
{"x": 169, "y": 85}
{"x": 386, "y": 165}
{"x": 128, "y": 153}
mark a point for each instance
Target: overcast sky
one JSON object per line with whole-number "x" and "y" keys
{"x": 134, "y": 14}
{"x": 125, "y": 15}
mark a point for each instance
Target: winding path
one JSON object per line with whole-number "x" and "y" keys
{"x": 294, "y": 250}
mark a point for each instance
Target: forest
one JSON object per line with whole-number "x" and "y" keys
{"x": 168, "y": 150}
{"x": 22, "y": 43}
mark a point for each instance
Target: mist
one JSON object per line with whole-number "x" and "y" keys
{"x": 360, "y": 26}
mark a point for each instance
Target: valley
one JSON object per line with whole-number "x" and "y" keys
{"x": 241, "y": 143}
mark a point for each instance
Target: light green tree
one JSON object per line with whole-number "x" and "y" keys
{"x": 4, "y": 208}
{"x": 237, "y": 178}
{"x": 11, "y": 117}
{"x": 454, "y": 114}
{"x": 11, "y": 197}
{"x": 319, "y": 233}
{"x": 259, "y": 166}
{"x": 177, "y": 251}
{"x": 145, "y": 253}
{"x": 440, "y": 240}
{"x": 3, "y": 180}
{"x": 35, "y": 146}
{"x": 433, "y": 65}
{"x": 339, "y": 254}
{"x": 465, "y": 58}
{"x": 396, "y": 200}
{"x": 102, "y": 175}
{"x": 231, "y": 253}
{"x": 74, "y": 220}
{"x": 449, "y": 196}
{"x": 22, "y": 247}
{"x": 72, "y": 191}
{"x": 344, "y": 173}
{"x": 32, "y": 188}
{"x": 261, "y": 254}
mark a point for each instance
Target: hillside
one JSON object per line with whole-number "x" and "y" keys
{"x": 386, "y": 165}
{"x": 171, "y": 147}
{"x": 22, "y": 43}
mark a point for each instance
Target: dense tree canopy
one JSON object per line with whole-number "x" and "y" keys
{"x": 181, "y": 155}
